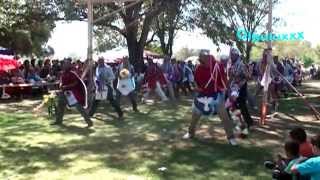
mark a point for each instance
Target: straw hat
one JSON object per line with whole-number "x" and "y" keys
{"x": 124, "y": 73}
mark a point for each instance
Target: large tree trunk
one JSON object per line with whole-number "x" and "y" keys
{"x": 135, "y": 45}
{"x": 136, "y": 55}
{"x": 170, "y": 41}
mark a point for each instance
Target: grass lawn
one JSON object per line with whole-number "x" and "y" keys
{"x": 139, "y": 146}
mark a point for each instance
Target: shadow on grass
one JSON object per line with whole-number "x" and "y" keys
{"x": 130, "y": 151}
{"x": 140, "y": 145}
{"x": 206, "y": 160}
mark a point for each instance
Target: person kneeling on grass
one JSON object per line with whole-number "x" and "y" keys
{"x": 210, "y": 80}
{"x": 311, "y": 166}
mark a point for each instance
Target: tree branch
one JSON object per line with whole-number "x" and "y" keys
{"x": 147, "y": 22}
{"x": 152, "y": 39}
{"x": 113, "y": 27}
{"x": 116, "y": 28}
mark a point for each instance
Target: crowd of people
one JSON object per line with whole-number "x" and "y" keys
{"x": 218, "y": 87}
{"x": 284, "y": 73}
{"x": 32, "y": 72}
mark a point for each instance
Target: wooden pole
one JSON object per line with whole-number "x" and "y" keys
{"x": 90, "y": 62}
{"x": 312, "y": 108}
{"x": 88, "y": 72}
{"x": 264, "y": 108}
{"x": 90, "y": 24}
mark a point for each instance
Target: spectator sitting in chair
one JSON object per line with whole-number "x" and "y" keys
{"x": 45, "y": 69}
{"x": 39, "y": 66}
{"x": 4, "y": 77}
{"x": 55, "y": 69}
{"x": 33, "y": 77}
{"x": 17, "y": 77}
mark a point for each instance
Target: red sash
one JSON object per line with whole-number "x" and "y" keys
{"x": 211, "y": 79}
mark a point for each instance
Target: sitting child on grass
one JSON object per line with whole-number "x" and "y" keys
{"x": 282, "y": 167}
{"x": 310, "y": 167}
{"x": 299, "y": 135}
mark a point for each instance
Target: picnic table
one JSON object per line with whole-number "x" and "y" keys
{"x": 25, "y": 88}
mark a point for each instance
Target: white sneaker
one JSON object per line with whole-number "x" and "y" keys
{"x": 237, "y": 130}
{"x": 233, "y": 142}
{"x": 143, "y": 100}
{"x": 187, "y": 136}
{"x": 245, "y": 131}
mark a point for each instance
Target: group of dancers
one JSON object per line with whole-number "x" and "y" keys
{"x": 218, "y": 87}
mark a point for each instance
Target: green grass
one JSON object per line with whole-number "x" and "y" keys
{"x": 133, "y": 149}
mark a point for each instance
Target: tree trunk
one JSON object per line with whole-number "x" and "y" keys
{"x": 135, "y": 46}
{"x": 248, "y": 51}
{"x": 166, "y": 47}
{"x": 170, "y": 41}
{"x": 162, "y": 43}
{"x": 135, "y": 54}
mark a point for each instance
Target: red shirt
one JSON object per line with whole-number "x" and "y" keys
{"x": 306, "y": 149}
{"x": 69, "y": 77}
{"x": 154, "y": 75}
{"x": 202, "y": 76}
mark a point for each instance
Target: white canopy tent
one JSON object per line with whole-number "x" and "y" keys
{"x": 111, "y": 56}
{"x": 193, "y": 59}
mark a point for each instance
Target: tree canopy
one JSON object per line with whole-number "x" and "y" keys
{"x": 185, "y": 52}
{"x": 302, "y": 50}
{"x": 169, "y": 22}
{"x": 26, "y": 26}
{"x": 131, "y": 24}
{"x": 221, "y": 19}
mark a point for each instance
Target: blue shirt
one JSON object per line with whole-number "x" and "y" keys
{"x": 105, "y": 74}
{"x": 310, "y": 167}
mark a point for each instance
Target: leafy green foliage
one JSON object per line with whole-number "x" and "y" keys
{"x": 132, "y": 23}
{"x": 168, "y": 23}
{"x": 107, "y": 39}
{"x": 299, "y": 49}
{"x": 220, "y": 20}
{"x": 307, "y": 61}
{"x": 154, "y": 47}
{"x": 26, "y": 26}
{"x": 185, "y": 52}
